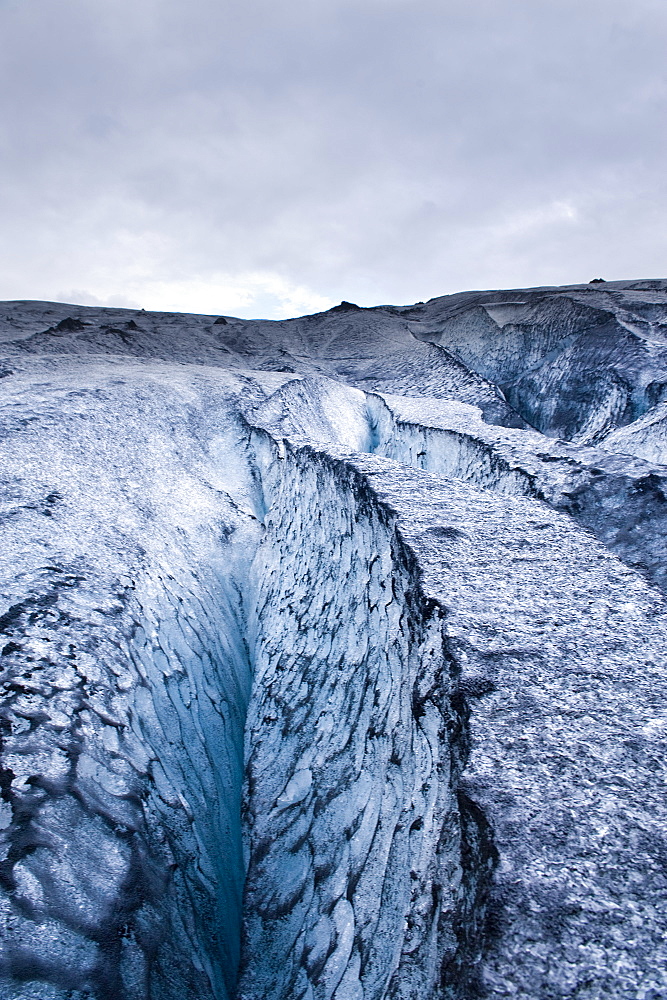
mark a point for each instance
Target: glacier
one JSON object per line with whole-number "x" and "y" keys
{"x": 333, "y": 650}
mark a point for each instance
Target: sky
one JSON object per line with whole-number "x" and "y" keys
{"x": 273, "y": 157}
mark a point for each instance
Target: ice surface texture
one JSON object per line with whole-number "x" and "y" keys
{"x": 333, "y": 651}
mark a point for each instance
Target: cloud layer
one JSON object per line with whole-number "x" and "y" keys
{"x": 272, "y": 158}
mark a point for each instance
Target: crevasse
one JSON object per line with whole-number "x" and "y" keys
{"x": 366, "y": 870}
{"x": 157, "y": 551}
{"x": 621, "y": 501}
{"x": 123, "y": 747}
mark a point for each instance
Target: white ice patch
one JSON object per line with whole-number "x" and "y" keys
{"x": 296, "y": 789}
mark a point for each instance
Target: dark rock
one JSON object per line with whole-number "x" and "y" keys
{"x": 69, "y": 325}
{"x": 346, "y": 307}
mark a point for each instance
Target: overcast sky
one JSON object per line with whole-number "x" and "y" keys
{"x": 272, "y": 157}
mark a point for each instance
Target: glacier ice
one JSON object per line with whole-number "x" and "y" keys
{"x": 333, "y": 651}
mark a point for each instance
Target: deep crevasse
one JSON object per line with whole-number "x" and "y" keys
{"x": 130, "y": 756}
{"x": 127, "y": 676}
{"x": 125, "y": 679}
{"x": 129, "y": 753}
{"x": 355, "y": 741}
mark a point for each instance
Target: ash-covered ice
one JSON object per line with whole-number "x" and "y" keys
{"x": 334, "y": 651}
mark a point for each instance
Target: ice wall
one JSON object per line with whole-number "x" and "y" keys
{"x": 125, "y": 678}
{"x": 622, "y": 501}
{"x": 122, "y": 739}
{"x": 365, "y": 870}
{"x": 449, "y": 451}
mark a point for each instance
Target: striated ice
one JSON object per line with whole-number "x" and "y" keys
{"x": 333, "y": 651}
{"x": 335, "y": 966}
{"x": 296, "y": 790}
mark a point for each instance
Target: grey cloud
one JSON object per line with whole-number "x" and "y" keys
{"x": 375, "y": 150}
